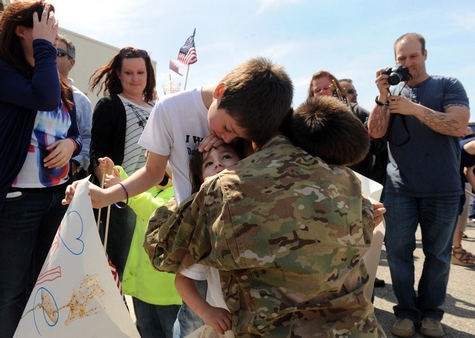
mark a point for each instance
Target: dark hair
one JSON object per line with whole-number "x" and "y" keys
{"x": 257, "y": 95}
{"x": 112, "y": 85}
{"x": 196, "y": 170}
{"x": 196, "y": 163}
{"x": 346, "y": 80}
{"x": 324, "y": 126}
{"x": 20, "y": 13}
{"x": 320, "y": 74}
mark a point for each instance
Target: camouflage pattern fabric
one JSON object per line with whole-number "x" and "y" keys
{"x": 287, "y": 232}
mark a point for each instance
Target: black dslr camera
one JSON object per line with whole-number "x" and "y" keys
{"x": 397, "y": 74}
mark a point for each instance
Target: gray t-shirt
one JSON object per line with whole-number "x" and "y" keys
{"x": 422, "y": 162}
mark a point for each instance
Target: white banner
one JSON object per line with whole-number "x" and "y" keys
{"x": 373, "y": 191}
{"x": 370, "y": 188}
{"x": 75, "y": 294}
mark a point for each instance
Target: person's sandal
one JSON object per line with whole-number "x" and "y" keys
{"x": 461, "y": 257}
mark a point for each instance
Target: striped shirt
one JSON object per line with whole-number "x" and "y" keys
{"x": 137, "y": 117}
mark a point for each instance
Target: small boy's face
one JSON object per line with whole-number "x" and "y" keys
{"x": 218, "y": 159}
{"x": 222, "y": 125}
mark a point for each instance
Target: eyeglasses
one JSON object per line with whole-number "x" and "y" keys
{"x": 131, "y": 52}
{"x": 351, "y": 91}
{"x": 60, "y": 53}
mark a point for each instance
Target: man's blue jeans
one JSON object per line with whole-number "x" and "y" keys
{"x": 155, "y": 321}
{"x": 190, "y": 321}
{"x": 28, "y": 224}
{"x": 437, "y": 217}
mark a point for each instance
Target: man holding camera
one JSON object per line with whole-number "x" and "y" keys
{"x": 422, "y": 118}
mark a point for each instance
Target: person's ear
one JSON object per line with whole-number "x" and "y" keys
{"x": 218, "y": 91}
{"x": 20, "y": 31}
{"x": 425, "y": 54}
{"x": 72, "y": 62}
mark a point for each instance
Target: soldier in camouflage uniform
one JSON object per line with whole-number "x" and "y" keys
{"x": 287, "y": 232}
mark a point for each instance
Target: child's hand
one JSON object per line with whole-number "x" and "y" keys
{"x": 106, "y": 165}
{"x": 378, "y": 210}
{"x": 218, "y": 318}
{"x": 113, "y": 178}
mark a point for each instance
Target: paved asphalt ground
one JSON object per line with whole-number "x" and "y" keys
{"x": 459, "y": 307}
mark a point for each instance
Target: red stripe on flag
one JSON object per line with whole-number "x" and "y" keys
{"x": 115, "y": 275}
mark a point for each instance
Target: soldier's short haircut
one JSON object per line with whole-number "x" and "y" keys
{"x": 324, "y": 126}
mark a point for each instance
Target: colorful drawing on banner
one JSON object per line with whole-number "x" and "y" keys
{"x": 75, "y": 294}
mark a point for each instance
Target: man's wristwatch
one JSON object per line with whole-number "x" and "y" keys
{"x": 379, "y": 103}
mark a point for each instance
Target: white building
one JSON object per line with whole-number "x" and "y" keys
{"x": 90, "y": 55}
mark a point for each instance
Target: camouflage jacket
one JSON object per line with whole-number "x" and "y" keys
{"x": 287, "y": 232}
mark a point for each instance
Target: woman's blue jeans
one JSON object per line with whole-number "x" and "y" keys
{"x": 28, "y": 224}
{"x": 437, "y": 217}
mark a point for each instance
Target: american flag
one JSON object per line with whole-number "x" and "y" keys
{"x": 186, "y": 56}
{"x": 115, "y": 275}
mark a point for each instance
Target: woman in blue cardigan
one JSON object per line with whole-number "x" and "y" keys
{"x": 38, "y": 137}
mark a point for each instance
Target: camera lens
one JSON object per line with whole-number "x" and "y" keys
{"x": 394, "y": 79}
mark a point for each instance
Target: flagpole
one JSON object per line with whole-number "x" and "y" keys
{"x": 188, "y": 69}
{"x": 186, "y": 78}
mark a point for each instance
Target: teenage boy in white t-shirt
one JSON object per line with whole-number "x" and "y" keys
{"x": 250, "y": 102}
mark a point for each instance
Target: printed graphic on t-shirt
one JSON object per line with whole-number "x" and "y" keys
{"x": 50, "y": 126}
{"x": 193, "y": 140}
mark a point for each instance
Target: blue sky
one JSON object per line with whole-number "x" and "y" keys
{"x": 350, "y": 39}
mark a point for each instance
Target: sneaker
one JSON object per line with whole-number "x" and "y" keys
{"x": 431, "y": 328}
{"x": 403, "y": 328}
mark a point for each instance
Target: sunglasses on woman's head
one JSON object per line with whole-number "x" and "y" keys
{"x": 131, "y": 52}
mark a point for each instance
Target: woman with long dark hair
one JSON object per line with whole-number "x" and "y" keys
{"x": 38, "y": 137}
{"x": 128, "y": 83}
